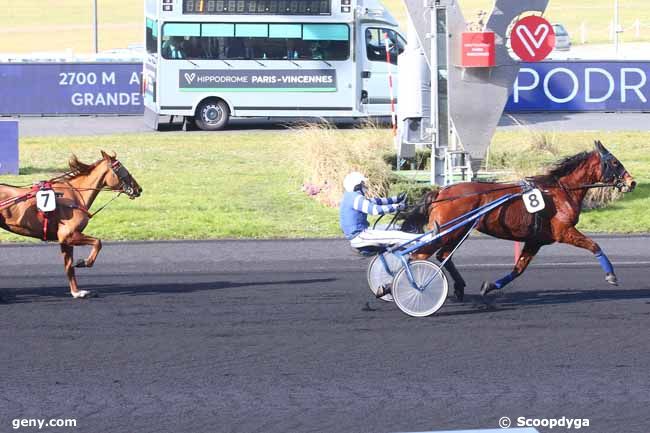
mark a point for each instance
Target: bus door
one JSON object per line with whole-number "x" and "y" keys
{"x": 376, "y": 67}
{"x": 150, "y": 74}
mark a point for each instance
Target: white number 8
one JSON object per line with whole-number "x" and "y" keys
{"x": 533, "y": 200}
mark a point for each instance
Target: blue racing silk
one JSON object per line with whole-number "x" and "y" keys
{"x": 355, "y": 208}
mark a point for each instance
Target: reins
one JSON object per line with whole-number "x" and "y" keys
{"x": 101, "y": 208}
{"x": 470, "y": 194}
{"x": 592, "y": 185}
{"x": 31, "y": 194}
{"x": 586, "y": 186}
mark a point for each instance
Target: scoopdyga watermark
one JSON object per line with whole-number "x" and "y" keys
{"x": 549, "y": 423}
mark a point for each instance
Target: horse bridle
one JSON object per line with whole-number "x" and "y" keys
{"x": 612, "y": 173}
{"x": 123, "y": 176}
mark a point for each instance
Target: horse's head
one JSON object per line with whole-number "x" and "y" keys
{"x": 612, "y": 171}
{"x": 119, "y": 179}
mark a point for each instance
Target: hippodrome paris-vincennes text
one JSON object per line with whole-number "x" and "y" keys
{"x": 267, "y": 79}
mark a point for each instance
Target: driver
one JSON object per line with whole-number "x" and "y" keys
{"x": 354, "y": 211}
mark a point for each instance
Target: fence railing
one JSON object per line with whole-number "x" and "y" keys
{"x": 638, "y": 31}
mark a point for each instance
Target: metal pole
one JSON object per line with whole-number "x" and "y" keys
{"x": 95, "y": 35}
{"x": 616, "y": 41}
{"x": 434, "y": 95}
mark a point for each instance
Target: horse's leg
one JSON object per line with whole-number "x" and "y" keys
{"x": 67, "y": 251}
{"x": 530, "y": 249}
{"x": 459, "y": 282}
{"x": 574, "y": 237}
{"x": 78, "y": 239}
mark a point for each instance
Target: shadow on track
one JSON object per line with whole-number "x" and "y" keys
{"x": 559, "y": 297}
{"x": 476, "y": 304}
{"x": 45, "y": 294}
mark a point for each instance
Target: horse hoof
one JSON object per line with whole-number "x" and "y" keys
{"x": 611, "y": 279}
{"x": 459, "y": 293}
{"x": 81, "y": 263}
{"x": 82, "y": 294}
{"x": 383, "y": 291}
{"x": 487, "y": 288}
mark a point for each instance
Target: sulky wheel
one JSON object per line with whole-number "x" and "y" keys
{"x": 380, "y": 274}
{"x": 430, "y": 294}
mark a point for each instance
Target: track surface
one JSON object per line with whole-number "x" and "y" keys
{"x": 276, "y": 336}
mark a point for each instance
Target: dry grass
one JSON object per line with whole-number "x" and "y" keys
{"x": 534, "y": 148}
{"x": 328, "y": 154}
{"x": 598, "y": 198}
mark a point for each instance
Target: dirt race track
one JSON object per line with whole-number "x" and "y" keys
{"x": 283, "y": 336}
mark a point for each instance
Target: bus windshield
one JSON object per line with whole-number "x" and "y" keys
{"x": 151, "y": 39}
{"x": 255, "y": 41}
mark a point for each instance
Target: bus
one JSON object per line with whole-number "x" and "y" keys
{"x": 212, "y": 60}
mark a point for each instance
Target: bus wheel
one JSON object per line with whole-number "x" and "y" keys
{"x": 212, "y": 115}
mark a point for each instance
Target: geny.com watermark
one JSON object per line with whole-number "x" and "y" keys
{"x": 550, "y": 423}
{"x": 42, "y": 423}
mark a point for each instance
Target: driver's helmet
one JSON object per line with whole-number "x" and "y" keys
{"x": 354, "y": 181}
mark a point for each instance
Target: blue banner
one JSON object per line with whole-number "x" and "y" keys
{"x": 70, "y": 88}
{"x": 115, "y": 88}
{"x": 8, "y": 146}
{"x": 581, "y": 86}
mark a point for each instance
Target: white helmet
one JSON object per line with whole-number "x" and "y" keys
{"x": 352, "y": 180}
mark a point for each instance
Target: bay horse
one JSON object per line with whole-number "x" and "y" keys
{"x": 563, "y": 189}
{"x": 75, "y": 193}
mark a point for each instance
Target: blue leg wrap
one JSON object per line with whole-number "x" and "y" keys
{"x": 604, "y": 262}
{"x": 505, "y": 280}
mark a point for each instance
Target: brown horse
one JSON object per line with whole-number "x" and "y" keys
{"x": 563, "y": 189}
{"x": 75, "y": 193}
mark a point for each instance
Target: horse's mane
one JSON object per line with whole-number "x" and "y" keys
{"x": 563, "y": 167}
{"x": 78, "y": 168}
{"x": 568, "y": 164}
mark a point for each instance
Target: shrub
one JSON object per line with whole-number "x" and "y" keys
{"x": 597, "y": 198}
{"x": 328, "y": 154}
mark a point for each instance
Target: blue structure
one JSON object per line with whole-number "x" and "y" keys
{"x": 8, "y": 147}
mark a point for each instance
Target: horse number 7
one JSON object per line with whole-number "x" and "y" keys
{"x": 45, "y": 201}
{"x": 533, "y": 200}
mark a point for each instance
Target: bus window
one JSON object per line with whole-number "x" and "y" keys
{"x": 256, "y": 41}
{"x": 175, "y": 38}
{"x": 376, "y": 48}
{"x": 152, "y": 36}
{"x": 327, "y": 41}
{"x": 173, "y": 48}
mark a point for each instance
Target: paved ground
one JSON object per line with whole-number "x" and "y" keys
{"x": 282, "y": 336}
{"x": 89, "y": 125}
{"x": 577, "y": 121}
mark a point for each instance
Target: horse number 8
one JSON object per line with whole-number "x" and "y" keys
{"x": 534, "y": 200}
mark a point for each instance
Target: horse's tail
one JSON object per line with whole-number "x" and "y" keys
{"x": 423, "y": 206}
{"x": 417, "y": 217}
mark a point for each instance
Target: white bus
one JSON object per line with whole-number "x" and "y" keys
{"x": 210, "y": 60}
